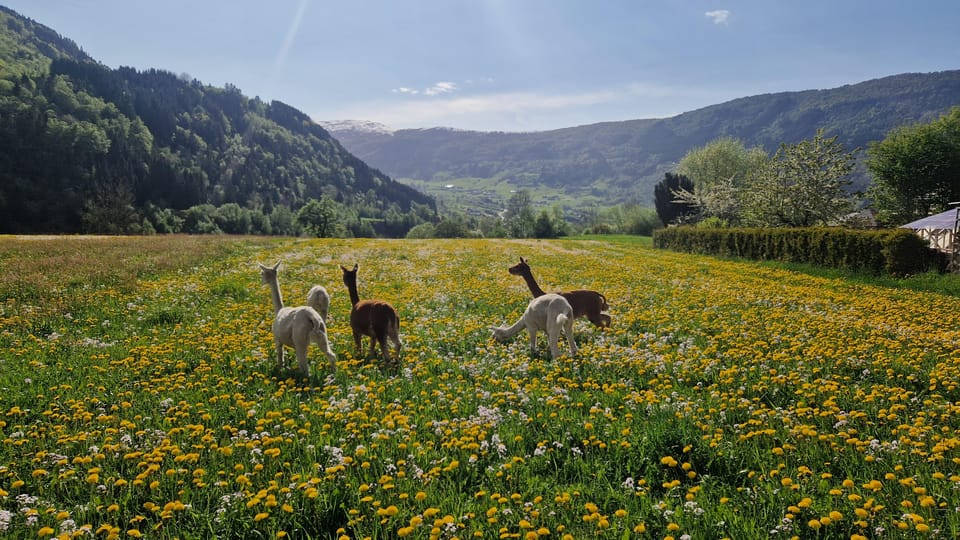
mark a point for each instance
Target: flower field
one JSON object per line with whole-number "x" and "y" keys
{"x": 140, "y": 397}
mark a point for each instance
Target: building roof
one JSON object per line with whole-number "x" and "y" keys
{"x": 942, "y": 221}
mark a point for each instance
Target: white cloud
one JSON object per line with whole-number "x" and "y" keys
{"x": 719, "y": 16}
{"x": 451, "y": 110}
{"x": 441, "y": 87}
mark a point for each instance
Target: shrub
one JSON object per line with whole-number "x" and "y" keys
{"x": 896, "y": 252}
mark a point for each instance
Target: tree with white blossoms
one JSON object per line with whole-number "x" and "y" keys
{"x": 802, "y": 185}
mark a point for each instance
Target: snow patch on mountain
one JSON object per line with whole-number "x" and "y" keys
{"x": 363, "y": 126}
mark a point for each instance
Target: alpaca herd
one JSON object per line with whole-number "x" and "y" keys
{"x": 297, "y": 327}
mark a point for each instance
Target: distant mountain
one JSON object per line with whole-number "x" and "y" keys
{"x": 87, "y": 148}
{"x": 612, "y": 162}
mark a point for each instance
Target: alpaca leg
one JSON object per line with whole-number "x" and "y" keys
{"x": 302, "y": 362}
{"x": 279, "y": 347}
{"x": 553, "y": 336}
{"x": 324, "y": 344}
{"x": 533, "y": 340}
{"x": 384, "y": 350}
{"x": 358, "y": 343}
{"x": 568, "y": 332}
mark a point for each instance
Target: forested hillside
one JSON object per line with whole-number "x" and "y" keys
{"x": 610, "y": 162}
{"x": 87, "y": 148}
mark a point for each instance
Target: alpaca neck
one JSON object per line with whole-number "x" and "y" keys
{"x": 532, "y": 284}
{"x": 275, "y": 296}
{"x": 514, "y": 329}
{"x": 354, "y": 295}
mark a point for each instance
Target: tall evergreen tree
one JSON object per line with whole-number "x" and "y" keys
{"x": 664, "y": 198}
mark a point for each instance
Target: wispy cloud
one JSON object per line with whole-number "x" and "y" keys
{"x": 442, "y": 87}
{"x": 719, "y": 16}
{"x": 461, "y": 110}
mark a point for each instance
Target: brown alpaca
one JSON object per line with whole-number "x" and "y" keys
{"x": 585, "y": 303}
{"x": 374, "y": 318}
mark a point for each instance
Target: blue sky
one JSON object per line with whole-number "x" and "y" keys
{"x": 511, "y": 65}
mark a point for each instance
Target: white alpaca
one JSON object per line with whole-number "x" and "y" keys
{"x": 551, "y": 313}
{"x": 319, "y": 299}
{"x": 295, "y": 326}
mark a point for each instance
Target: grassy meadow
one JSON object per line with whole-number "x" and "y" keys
{"x": 140, "y": 397}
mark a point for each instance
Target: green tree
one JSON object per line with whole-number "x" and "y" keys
{"x": 543, "y": 226}
{"x": 639, "y": 220}
{"x": 423, "y": 230}
{"x": 519, "y": 215}
{"x": 916, "y": 170}
{"x": 283, "y": 222}
{"x": 451, "y": 227}
{"x": 163, "y": 220}
{"x": 110, "y": 210}
{"x": 802, "y": 185}
{"x": 201, "y": 219}
{"x": 320, "y": 217}
{"x": 718, "y": 170}
{"x": 232, "y": 219}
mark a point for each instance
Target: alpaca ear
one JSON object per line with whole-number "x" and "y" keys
{"x": 356, "y": 266}
{"x": 521, "y": 260}
{"x": 343, "y": 268}
{"x": 276, "y": 266}
{"x": 262, "y": 267}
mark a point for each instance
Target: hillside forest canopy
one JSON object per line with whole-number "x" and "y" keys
{"x": 85, "y": 148}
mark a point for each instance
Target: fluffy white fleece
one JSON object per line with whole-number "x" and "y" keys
{"x": 295, "y": 327}
{"x": 550, "y": 313}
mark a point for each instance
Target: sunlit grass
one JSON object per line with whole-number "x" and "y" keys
{"x": 141, "y": 397}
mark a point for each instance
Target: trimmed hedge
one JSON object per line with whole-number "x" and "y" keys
{"x": 897, "y": 252}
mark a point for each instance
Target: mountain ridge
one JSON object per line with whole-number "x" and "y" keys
{"x": 614, "y": 161}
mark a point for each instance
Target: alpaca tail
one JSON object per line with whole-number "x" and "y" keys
{"x": 562, "y": 319}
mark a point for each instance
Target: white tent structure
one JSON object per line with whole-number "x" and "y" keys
{"x": 938, "y": 229}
